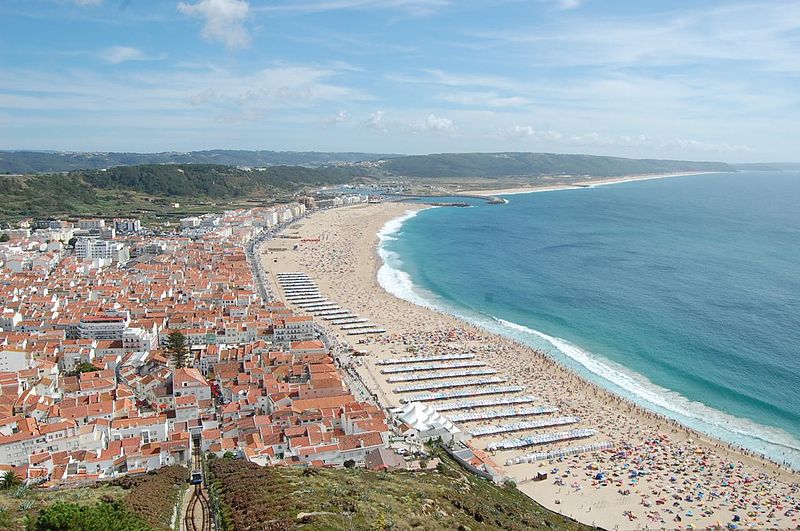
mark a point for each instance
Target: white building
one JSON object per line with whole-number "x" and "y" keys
{"x": 17, "y": 233}
{"x": 102, "y": 327}
{"x": 271, "y": 218}
{"x": 90, "y": 249}
{"x": 150, "y": 429}
{"x": 9, "y": 319}
{"x": 14, "y": 359}
{"x": 190, "y": 223}
{"x": 91, "y": 224}
{"x": 138, "y": 340}
{"x": 127, "y": 225}
{"x": 59, "y": 437}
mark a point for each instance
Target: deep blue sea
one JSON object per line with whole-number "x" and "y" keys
{"x": 681, "y": 293}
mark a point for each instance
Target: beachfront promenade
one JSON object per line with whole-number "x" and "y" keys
{"x": 608, "y": 462}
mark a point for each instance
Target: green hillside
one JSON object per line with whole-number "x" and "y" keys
{"x": 213, "y": 180}
{"x": 151, "y": 188}
{"x": 495, "y": 165}
{"x": 285, "y": 498}
{"x": 136, "y": 503}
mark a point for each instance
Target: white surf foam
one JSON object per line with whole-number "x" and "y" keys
{"x": 765, "y": 439}
{"x": 390, "y": 277}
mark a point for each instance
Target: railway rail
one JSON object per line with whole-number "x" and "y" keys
{"x": 198, "y": 515}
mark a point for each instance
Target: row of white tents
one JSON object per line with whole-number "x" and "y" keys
{"x": 464, "y": 393}
{"x": 300, "y": 290}
{"x": 562, "y": 452}
{"x": 544, "y": 438}
{"x": 522, "y": 426}
{"x": 502, "y": 413}
{"x": 430, "y": 386}
{"x": 440, "y": 375}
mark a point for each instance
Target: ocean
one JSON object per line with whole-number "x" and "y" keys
{"x": 682, "y": 293}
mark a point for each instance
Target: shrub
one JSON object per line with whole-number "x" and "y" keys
{"x": 152, "y": 496}
{"x": 5, "y": 518}
{"x": 63, "y": 516}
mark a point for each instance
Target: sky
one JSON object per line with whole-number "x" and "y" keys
{"x": 698, "y": 80}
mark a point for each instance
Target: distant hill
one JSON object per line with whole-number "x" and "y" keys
{"x": 214, "y": 180}
{"x": 20, "y": 162}
{"x": 495, "y": 165}
{"x": 125, "y": 189}
{"x": 446, "y": 165}
{"x": 146, "y": 188}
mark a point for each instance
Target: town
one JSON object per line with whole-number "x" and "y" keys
{"x": 92, "y": 385}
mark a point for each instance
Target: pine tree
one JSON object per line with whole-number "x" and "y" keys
{"x": 178, "y": 349}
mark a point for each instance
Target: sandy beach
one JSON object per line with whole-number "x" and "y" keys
{"x": 580, "y": 184}
{"x": 687, "y": 479}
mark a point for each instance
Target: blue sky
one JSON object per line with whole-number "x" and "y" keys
{"x": 645, "y": 78}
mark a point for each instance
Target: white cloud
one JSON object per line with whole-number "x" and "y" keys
{"x": 718, "y": 147}
{"x": 415, "y": 7}
{"x": 450, "y": 79}
{"x": 679, "y": 147}
{"x": 224, "y": 20}
{"x": 200, "y": 90}
{"x": 433, "y": 123}
{"x": 121, "y": 54}
{"x": 484, "y": 99}
{"x": 527, "y": 131}
{"x": 747, "y": 33}
{"x": 606, "y": 143}
{"x": 379, "y": 121}
{"x": 568, "y": 4}
{"x": 87, "y": 3}
{"x": 338, "y": 118}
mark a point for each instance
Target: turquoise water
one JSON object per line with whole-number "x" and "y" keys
{"x": 681, "y": 293}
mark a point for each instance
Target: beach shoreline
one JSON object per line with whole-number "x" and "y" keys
{"x": 580, "y": 184}
{"x": 346, "y": 264}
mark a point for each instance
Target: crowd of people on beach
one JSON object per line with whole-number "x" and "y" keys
{"x": 675, "y": 479}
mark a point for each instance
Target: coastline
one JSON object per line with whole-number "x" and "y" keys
{"x": 580, "y": 184}
{"x": 346, "y": 264}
